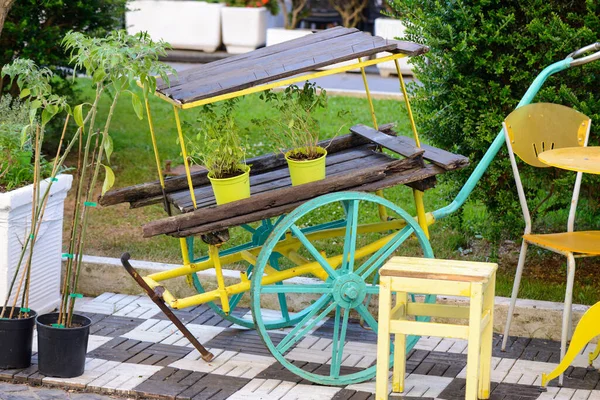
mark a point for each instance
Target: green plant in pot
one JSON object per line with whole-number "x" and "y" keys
{"x": 218, "y": 146}
{"x": 114, "y": 64}
{"x": 26, "y": 177}
{"x": 296, "y": 130}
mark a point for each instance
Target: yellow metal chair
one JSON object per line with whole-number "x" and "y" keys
{"x": 405, "y": 275}
{"x": 528, "y": 131}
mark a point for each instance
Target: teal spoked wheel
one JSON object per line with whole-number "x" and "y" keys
{"x": 326, "y": 331}
{"x": 279, "y": 316}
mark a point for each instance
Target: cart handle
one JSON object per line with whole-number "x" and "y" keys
{"x": 584, "y": 60}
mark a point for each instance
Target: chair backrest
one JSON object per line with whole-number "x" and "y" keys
{"x": 537, "y": 127}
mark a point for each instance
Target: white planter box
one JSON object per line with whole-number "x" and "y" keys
{"x": 280, "y": 35}
{"x": 244, "y": 28}
{"x": 15, "y": 224}
{"x": 192, "y": 25}
{"x": 389, "y": 28}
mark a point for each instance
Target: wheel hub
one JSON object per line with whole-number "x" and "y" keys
{"x": 349, "y": 290}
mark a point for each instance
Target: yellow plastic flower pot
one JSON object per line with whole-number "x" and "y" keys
{"x": 306, "y": 171}
{"x": 231, "y": 189}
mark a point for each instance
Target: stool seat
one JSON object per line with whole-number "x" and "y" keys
{"x": 431, "y": 268}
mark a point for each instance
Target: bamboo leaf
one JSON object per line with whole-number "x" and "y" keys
{"x": 109, "y": 179}
{"x": 78, "y": 115}
{"x": 108, "y": 147}
{"x": 137, "y": 105}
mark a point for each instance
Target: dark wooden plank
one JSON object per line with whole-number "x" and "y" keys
{"x": 393, "y": 143}
{"x": 192, "y": 73}
{"x": 268, "y": 69}
{"x": 183, "y": 200}
{"x": 259, "y": 164}
{"x": 406, "y": 177}
{"x": 280, "y": 197}
{"x": 336, "y": 170}
{"x": 411, "y": 49}
{"x": 404, "y": 144}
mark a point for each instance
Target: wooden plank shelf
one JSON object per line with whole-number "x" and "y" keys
{"x": 354, "y": 162}
{"x": 279, "y": 61}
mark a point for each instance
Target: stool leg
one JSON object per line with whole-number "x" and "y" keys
{"x": 474, "y": 346}
{"x": 487, "y": 338}
{"x": 399, "y": 370}
{"x": 383, "y": 340}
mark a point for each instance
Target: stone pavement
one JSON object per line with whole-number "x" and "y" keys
{"x": 135, "y": 352}
{"x": 10, "y": 391}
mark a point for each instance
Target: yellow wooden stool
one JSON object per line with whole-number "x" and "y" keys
{"x": 405, "y": 275}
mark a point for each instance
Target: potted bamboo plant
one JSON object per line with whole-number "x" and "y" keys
{"x": 218, "y": 147}
{"x": 296, "y": 130}
{"x": 114, "y": 64}
{"x": 31, "y": 215}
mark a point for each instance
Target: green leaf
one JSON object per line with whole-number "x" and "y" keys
{"x": 24, "y": 135}
{"x": 24, "y": 93}
{"x": 109, "y": 179}
{"x": 78, "y": 115}
{"x": 137, "y": 105}
{"x": 108, "y": 147}
{"x": 46, "y": 116}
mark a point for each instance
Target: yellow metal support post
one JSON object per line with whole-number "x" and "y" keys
{"x": 417, "y": 194}
{"x": 213, "y": 253}
{"x": 185, "y": 156}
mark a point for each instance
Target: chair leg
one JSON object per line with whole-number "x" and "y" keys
{"x": 487, "y": 335}
{"x": 567, "y": 309}
{"x": 586, "y": 330}
{"x": 474, "y": 341}
{"x": 515, "y": 293}
{"x": 594, "y": 354}
{"x": 399, "y": 370}
{"x": 383, "y": 340}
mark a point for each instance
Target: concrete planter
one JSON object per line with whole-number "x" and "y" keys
{"x": 389, "y": 28}
{"x": 280, "y": 35}
{"x": 191, "y": 25}
{"x": 15, "y": 223}
{"x": 244, "y": 28}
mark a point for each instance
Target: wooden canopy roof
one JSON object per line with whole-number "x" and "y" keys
{"x": 279, "y": 61}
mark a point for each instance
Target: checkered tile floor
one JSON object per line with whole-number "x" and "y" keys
{"x": 134, "y": 351}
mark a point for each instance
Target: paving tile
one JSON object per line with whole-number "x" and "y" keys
{"x": 442, "y": 364}
{"x": 355, "y": 332}
{"x": 204, "y": 315}
{"x": 282, "y": 390}
{"x": 579, "y": 378}
{"x": 119, "y": 349}
{"x": 415, "y": 385}
{"x": 527, "y": 372}
{"x": 164, "y": 331}
{"x": 123, "y": 378}
{"x": 160, "y": 354}
{"x": 115, "y": 326}
{"x": 94, "y": 368}
{"x": 243, "y": 340}
{"x": 227, "y": 363}
{"x": 213, "y": 387}
{"x": 168, "y": 382}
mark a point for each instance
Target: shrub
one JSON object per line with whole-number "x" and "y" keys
{"x": 484, "y": 55}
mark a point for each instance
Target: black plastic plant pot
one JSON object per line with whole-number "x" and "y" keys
{"x": 16, "y": 335}
{"x": 61, "y": 351}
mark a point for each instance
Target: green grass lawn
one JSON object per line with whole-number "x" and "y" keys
{"x": 117, "y": 229}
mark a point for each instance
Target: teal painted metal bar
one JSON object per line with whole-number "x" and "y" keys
{"x": 498, "y": 142}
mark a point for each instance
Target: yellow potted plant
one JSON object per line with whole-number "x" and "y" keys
{"x": 218, "y": 147}
{"x": 296, "y": 130}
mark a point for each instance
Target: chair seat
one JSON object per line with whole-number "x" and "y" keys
{"x": 583, "y": 242}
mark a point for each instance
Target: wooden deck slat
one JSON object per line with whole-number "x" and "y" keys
{"x": 280, "y": 179}
{"x": 281, "y": 196}
{"x": 405, "y": 145}
{"x": 280, "y": 61}
{"x": 192, "y": 73}
{"x": 262, "y": 64}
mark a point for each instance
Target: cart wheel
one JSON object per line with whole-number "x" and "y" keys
{"x": 280, "y": 318}
{"x": 343, "y": 293}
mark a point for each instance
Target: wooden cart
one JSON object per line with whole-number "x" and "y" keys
{"x": 311, "y": 244}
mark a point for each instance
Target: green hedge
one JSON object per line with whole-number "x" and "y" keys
{"x": 483, "y": 57}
